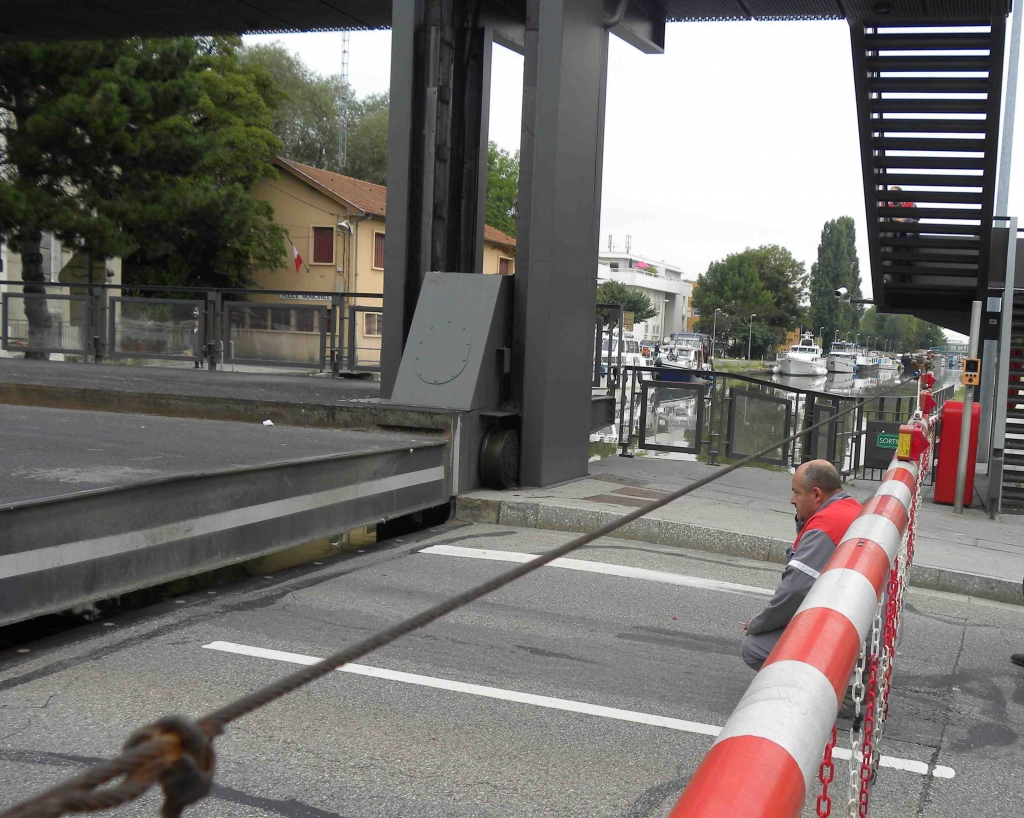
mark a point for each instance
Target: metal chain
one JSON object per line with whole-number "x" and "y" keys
{"x": 853, "y": 786}
{"x": 826, "y": 772}
{"x": 874, "y": 696}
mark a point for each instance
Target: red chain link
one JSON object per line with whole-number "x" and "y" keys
{"x": 893, "y": 589}
{"x": 869, "y": 729}
{"x": 826, "y": 772}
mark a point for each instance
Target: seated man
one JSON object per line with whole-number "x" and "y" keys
{"x": 823, "y": 514}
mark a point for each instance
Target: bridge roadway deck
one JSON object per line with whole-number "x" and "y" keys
{"x": 747, "y": 514}
{"x": 94, "y": 504}
{"x": 381, "y": 745}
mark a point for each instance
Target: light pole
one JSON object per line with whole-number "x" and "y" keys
{"x": 821, "y": 336}
{"x": 858, "y": 339}
{"x": 836, "y": 339}
{"x": 869, "y": 343}
{"x": 750, "y": 333}
{"x": 714, "y": 328}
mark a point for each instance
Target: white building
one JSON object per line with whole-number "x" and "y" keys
{"x": 665, "y": 287}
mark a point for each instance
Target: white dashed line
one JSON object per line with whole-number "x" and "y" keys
{"x": 568, "y": 705}
{"x": 606, "y": 568}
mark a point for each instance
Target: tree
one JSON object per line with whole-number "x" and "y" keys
{"x": 766, "y": 280}
{"x": 900, "y": 333}
{"x": 502, "y": 189}
{"x": 368, "y": 140}
{"x": 837, "y": 266}
{"x": 143, "y": 149}
{"x": 308, "y": 112}
{"x": 632, "y": 300}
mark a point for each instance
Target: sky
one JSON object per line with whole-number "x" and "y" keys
{"x": 740, "y": 134}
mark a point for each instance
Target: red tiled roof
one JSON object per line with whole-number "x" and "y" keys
{"x": 365, "y": 196}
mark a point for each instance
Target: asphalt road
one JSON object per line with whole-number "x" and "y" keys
{"x": 377, "y": 744}
{"x": 55, "y": 452}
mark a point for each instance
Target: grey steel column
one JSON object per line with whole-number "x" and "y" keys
{"x": 562, "y": 148}
{"x": 403, "y": 274}
{"x": 440, "y": 80}
{"x": 995, "y": 471}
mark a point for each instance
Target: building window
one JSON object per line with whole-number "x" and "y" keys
{"x": 323, "y": 245}
{"x": 505, "y": 267}
{"x": 373, "y": 322}
{"x": 614, "y": 265}
{"x": 280, "y": 318}
{"x": 378, "y": 251}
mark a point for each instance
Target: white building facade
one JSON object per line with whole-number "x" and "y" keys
{"x": 668, "y": 292}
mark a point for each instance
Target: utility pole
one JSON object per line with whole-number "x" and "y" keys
{"x": 343, "y": 105}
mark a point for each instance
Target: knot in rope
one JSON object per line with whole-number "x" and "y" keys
{"x": 189, "y": 776}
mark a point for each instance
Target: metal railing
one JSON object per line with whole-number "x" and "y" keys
{"x": 722, "y": 417}
{"x": 211, "y": 326}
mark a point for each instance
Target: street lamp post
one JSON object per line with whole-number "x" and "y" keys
{"x": 836, "y": 339}
{"x": 750, "y": 333}
{"x": 714, "y": 329}
{"x": 869, "y": 343}
{"x": 821, "y": 336}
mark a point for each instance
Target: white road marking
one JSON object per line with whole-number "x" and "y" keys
{"x": 600, "y": 568}
{"x": 905, "y": 764}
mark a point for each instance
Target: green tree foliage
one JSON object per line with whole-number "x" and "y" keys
{"x": 502, "y": 189}
{"x": 837, "y": 266}
{"x": 143, "y": 149}
{"x": 904, "y": 333}
{"x": 308, "y": 114}
{"x": 632, "y": 300}
{"x": 765, "y": 280}
{"x": 368, "y": 140}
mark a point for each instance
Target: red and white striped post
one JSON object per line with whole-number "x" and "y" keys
{"x": 764, "y": 761}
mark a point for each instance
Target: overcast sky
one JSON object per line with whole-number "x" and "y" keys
{"x": 740, "y": 134}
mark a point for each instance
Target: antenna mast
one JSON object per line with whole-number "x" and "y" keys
{"x": 343, "y": 105}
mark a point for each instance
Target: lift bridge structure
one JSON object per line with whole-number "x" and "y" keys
{"x": 508, "y": 360}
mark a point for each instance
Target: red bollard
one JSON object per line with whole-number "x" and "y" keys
{"x": 927, "y": 403}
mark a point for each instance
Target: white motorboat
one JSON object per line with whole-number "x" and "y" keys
{"x": 803, "y": 359}
{"x": 885, "y": 362}
{"x": 685, "y": 357}
{"x": 866, "y": 361}
{"x": 842, "y": 358}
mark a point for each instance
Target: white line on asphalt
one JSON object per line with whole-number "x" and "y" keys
{"x": 569, "y": 705}
{"x": 599, "y": 568}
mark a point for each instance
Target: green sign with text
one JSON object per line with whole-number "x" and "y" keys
{"x": 888, "y": 440}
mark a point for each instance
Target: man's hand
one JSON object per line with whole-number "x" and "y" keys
{"x": 745, "y": 627}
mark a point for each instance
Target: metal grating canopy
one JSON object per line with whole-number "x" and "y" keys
{"x": 42, "y": 20}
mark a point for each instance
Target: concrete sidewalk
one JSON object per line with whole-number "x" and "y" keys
{"x": 747, "y": 514}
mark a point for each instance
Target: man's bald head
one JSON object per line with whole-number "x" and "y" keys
{"x": 820, "y": 474}
{"x": 813, "y": 483}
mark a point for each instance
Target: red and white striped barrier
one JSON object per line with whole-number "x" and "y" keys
{"x": 765, "y": 760}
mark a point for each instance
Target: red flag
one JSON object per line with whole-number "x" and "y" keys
{"x": 298, "y": 258}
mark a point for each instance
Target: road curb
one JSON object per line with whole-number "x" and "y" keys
{"x": 659, "y": 531}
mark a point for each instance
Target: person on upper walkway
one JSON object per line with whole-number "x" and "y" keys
{"x": 823, "y": 514}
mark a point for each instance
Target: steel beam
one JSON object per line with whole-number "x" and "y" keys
{"x": 437, "y": 155}
{"x": 565, "y": 77}
{"x": 65, "y": 551}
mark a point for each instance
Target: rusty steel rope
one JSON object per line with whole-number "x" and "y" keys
{"x": 178, "y": 753}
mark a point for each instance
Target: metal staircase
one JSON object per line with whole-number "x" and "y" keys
{"x": 928, "y": 103}
{"x": 1013, "y": 446}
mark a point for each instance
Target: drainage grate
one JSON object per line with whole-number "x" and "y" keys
{"x": 621, "y": 479}
{"x": 618, "y": 500}
{"x": 649, "y": 494}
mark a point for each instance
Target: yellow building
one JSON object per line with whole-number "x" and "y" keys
{"x": 336, "y": 226}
